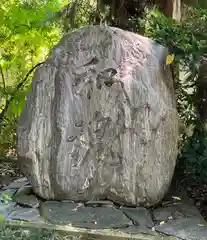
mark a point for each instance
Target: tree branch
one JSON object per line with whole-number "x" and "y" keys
{"x": 3, "y": 78}
{"x": 20, "y": 85}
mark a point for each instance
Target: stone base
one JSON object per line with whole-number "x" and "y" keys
{"x": 177, "y": 219}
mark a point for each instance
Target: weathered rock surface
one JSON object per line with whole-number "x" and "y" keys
{"x": 184, "y": 228}
{"x": 80, "y": 216}
{"x": 139, "y": 216}
{"x": 24, "y": 190}
{"x": 27, "y": 200}
{"x": 175, "y": 211}
{"x": 100, "y": 118}
{"x": 20, "y": 213}
{"x": 5, "y": 209}
{"x": 17, "y": 185}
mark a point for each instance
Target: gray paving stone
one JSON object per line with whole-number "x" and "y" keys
{"x": 25, "y": 190}
{"x": 174, "y": 211}
{"x": 184, "y": 228}
{"x": 6, "y": 208}
{"x": 25, "y": 214}
{"x": 86, "y": 217}
{"x": 165, "y": 213}
{"x": 16, "y": 185}
{"x": 27, "y": 200}
{"x": 139, "y": 216}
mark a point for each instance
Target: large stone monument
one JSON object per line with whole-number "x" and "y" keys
{"x": 100, "y": 121}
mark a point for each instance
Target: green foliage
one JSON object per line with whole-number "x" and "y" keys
{"x": 78, "y": 14}
{"x": 117, "y": 13}
{"x": 27, "y": 32}
{"x": 5, "y": 197}
{"x": 188, "y": 40}
{"x": 193, "y": 157}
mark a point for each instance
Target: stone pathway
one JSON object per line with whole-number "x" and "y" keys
{"x": 178, "y": 219}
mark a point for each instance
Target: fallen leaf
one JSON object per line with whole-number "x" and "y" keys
{"x": 170, "y": 58}
{"x": 201, "y": 225}
{"x": 176, "y": 198}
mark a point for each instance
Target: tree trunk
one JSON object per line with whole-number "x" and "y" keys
{"x": 171, "y": 8}
{"x": 202, "y": 92}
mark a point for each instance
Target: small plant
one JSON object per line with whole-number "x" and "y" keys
{"x": 5, "y": 197}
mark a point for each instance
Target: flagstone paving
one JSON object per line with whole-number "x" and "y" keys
{"x": 177, "y": 220}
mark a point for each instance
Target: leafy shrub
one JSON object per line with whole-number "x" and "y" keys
{"x": 188, "y": 40}
{"x": 27, "y": 32}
